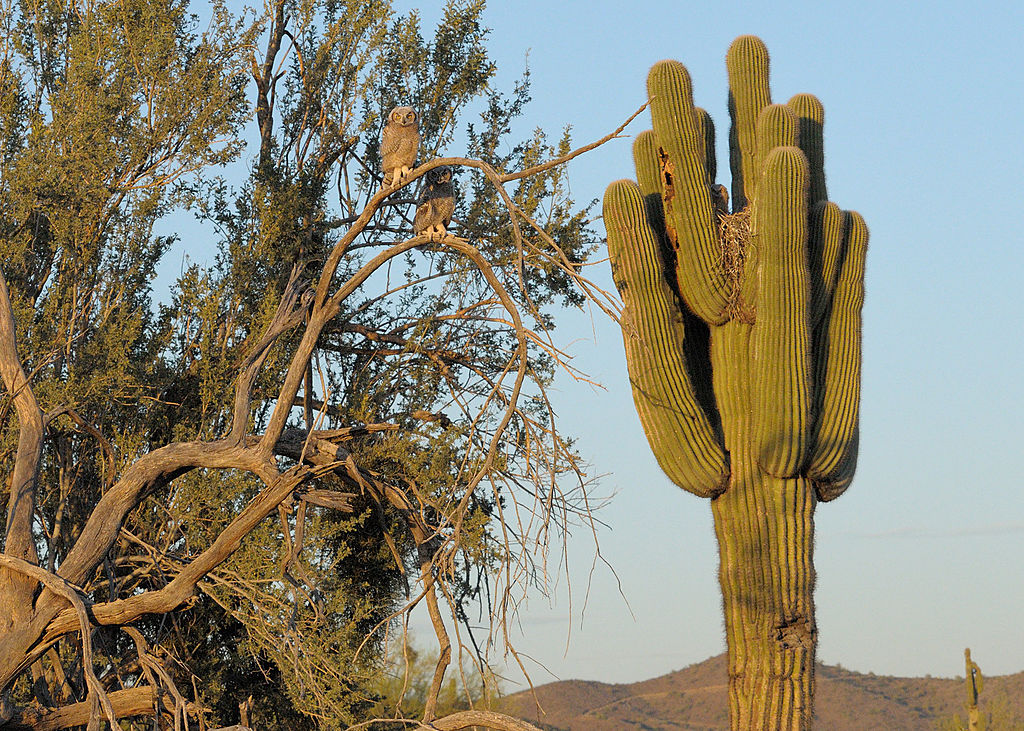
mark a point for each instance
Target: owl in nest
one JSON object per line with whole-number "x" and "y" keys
{"x": 398, "y": 144}
{"x": 436, "y": 204}
{"x": 720, "y": 199}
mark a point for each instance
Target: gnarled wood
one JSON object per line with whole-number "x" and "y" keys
{"x": 15, "y": 588}
{"x": 141, "y": 701}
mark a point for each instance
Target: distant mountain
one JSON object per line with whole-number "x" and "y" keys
{"x": 696, "y": 699}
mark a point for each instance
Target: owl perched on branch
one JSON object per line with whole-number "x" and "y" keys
{"x": 398, "y": 144}
{"x": 436, "y": 204}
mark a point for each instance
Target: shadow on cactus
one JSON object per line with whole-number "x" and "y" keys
{"x": 742, "y": 338}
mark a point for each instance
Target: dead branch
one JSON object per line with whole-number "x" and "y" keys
{"x": 575, "y": 153}
{"x": 290, "y": 312}
{"x": 151, "y": 665}
{"x": 181, "y": 588}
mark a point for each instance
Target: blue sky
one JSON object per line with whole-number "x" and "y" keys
{"x": 923, "y": 136}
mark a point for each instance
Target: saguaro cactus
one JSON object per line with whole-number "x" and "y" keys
{"x": 975, "y": 682}
{"x": 742, "y": 335}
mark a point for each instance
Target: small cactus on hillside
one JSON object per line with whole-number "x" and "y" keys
{"x": 742, "y": 339}
{"x": 975, "y": 683}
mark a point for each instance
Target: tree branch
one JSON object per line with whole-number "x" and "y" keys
{"x": 141, "y": 701}
{"x": 181, "y": 587}
{"x": 16, "y": 589}
{"x": 61, "y": 587}
{"x": 487, "y": 719}
{"x": 290, "y": 310}
{"x": 575, "y": 153}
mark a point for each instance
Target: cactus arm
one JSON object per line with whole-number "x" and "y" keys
{"x": 777, "y": 126}
{"x": 811, "y": 114}
{"x": 837, "y": 431}
{"x": 678, "y": 430}
{"x": 707, "y": 126}
{"x": 747, "y": 64}
{"x": 648, "y": 176}
{"x": 691, "y": 223}
{"x": 781, "y": 343}
{"x": 827, "y": 235}
{"x": 645, "y": 157}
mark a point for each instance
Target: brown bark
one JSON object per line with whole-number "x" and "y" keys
{"x": 140, "y": 701}
{"x": 483, "y": 719}
{"x": 180, "y": 589}
{"x": 15, "y": 588}
{"x": 53, "y": 618}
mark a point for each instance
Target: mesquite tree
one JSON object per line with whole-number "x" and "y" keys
{"x": 742, "y": 335}
{"x": 240, "y": 490}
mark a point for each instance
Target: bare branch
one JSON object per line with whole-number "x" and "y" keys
{"x": 290, "y": 311}
{"x": 183, "y": 585}
{"x": 575, "y": 153}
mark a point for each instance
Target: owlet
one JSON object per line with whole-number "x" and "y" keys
{"x": 398, "y": 144}
{"x": 436, "y": 204}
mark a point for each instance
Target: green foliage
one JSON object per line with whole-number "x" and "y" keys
{"x": 103, "y": 110}
{"x": 117, "y": 119}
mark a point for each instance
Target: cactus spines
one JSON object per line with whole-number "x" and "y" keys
{"x": 742, "y": 335}
{"x": 677, "y": 427}
{"x": 747, "y": 64}
{"x": 809, "y": 110}
{"x": 690, "y": 221}
{"x": 781, "y": 354}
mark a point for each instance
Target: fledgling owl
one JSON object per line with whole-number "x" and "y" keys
{"x": 436, "y": 204}
{"x": 720, "y": 199}
{"x": 398, "y": 144}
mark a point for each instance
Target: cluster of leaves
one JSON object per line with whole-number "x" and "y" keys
{"x": 114, "y": 118}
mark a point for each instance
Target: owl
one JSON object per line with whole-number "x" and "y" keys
{"x": 720, "y": 199}
{"x": 436, "y": 204}
{"x": 398, "y": 144}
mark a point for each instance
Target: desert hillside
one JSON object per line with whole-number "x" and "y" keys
{"x": 695, "y": 699}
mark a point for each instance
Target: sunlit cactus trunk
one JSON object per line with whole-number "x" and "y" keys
{"x": 742, "y": 338}
{"x": 765, "y": 535}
